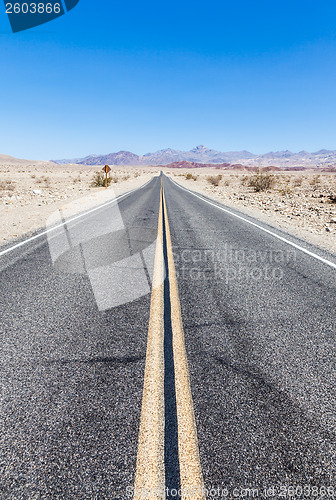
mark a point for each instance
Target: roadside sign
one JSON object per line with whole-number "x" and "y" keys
{"x": 106, "y": 169}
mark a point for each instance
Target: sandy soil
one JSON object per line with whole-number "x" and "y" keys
{"x": 30, "y": 192}
{"x": 298, "y": 202}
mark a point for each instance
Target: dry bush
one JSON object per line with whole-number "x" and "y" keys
{"x": 286, "y": 179}
{"x": 285, "y": 190}
{"x": 315, "y": 181}
{"x": 126, "y": 177}
{"x": 214, "y": 180}
{"x": 44, "y": 180}
{"x": 261, "y": 182}
{"x": 76, "y": 179}
{"x": 226, "y": 182}
{"x": 7, "y": 185}
{"x": 99, "y": 180}
{"x": 244, "y": 180}
{"x": 297, "y": 182}
{"x": 190, "y": 176}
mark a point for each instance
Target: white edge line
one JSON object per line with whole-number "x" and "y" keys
{"x": 312, "y": 254}
{"x": 10, "y": 249}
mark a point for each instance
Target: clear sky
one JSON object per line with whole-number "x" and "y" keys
{"x": 142, "y": 76}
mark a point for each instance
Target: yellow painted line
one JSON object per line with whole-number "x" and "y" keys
{"x": 150, "y": 470}
{"x": 192, "y": 485}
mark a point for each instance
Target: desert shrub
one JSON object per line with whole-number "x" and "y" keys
{"x": 332, "y": 198}
{"x": 244, "y": 180}
{"x": 261, "y": 182}
{"x": 126, "y": 177}
{"x": 7, "y": 185}
{"x": 297, "y": 182}
{"x": 226, "y": 182}
{"x": 190, "y": 176}
{"x": 214, "y": 180}
{"x": 44, "y": 180}
{"x": 315, "y": 181}
{"x": 99, "y": 180}
{"x": 285, "y": 179}
{"x": 285, "y": 190}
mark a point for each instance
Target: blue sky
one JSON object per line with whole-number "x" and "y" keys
{"x": 107, "y": 76}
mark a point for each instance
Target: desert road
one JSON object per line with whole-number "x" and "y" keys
{"x": 164, "y": 346}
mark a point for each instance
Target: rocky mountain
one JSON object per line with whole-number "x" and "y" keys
{"x": 202, "y": 154}
{"x": 120, "y": 158}
{"x": 192, "y": 164}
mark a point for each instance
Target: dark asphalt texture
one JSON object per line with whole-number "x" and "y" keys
{"x": 259, "y": 320}
{"x": 72, "y": 376}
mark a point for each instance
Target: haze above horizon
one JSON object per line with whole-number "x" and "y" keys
{"x": 256, "y": 76}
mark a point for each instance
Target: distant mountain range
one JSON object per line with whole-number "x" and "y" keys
{"x": 202, "y": 154}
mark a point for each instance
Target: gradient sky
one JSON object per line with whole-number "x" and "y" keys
{"x": 142, "y": 76}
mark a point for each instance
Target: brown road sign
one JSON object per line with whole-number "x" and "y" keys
{"x": 106, "y": 169}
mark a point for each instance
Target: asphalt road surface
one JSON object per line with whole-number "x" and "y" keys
{"x": 258, "y": 312}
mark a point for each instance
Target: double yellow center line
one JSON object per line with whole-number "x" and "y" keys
{"x": 150, "y": 471}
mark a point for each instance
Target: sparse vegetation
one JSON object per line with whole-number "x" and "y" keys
{"x": 244, "y": 180}
{"x": 214, "y": 180}
{"x": 315, "y": 181}
{"x": 190, "y": 177}
{"x": 297, "y": 182}
{"x": 261, "y": 182}
{"x": 44, "y": 180}
{"x": 285, "y": 190}
{"x": 7, "y": 185}
{"x": 99, "y": 180}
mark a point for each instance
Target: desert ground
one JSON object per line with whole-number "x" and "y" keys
{"x": 30, "y": 192}
{"x": 297, "y": 202}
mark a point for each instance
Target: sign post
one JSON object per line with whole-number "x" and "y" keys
{"x": 106, "y": 169}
